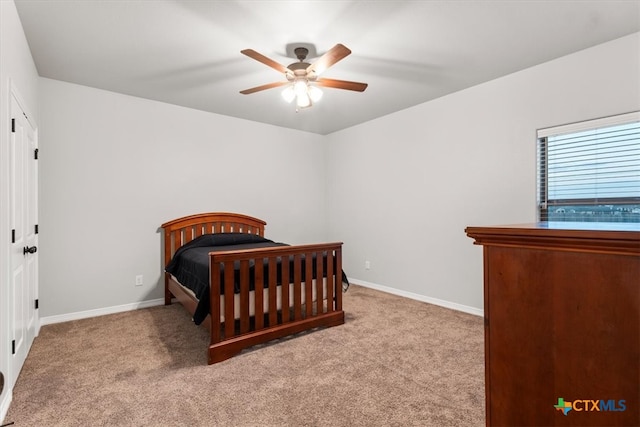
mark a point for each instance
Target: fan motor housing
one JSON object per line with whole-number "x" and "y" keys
{"x": 301, "y": 54}
{"x": 298, "y": 66}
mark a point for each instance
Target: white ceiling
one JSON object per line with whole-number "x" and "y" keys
{"x": 188, "y": 52}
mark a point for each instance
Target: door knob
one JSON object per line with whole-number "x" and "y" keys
{"x": 31, "y": 250}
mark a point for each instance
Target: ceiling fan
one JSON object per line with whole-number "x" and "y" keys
{"x": 302, "y": 78}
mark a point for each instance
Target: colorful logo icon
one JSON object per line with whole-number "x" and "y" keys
{"x": 563, "y": 406}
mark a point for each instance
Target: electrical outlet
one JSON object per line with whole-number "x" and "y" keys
{"x": 139, "y": 280}
{"x": 367, "y": 265}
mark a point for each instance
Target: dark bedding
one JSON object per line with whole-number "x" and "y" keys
{"x": 190, "y": 264}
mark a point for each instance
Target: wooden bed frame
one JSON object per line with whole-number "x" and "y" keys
{"x": 230, "y": 337}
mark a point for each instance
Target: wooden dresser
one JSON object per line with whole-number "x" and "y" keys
{"x": 562, "y": 323}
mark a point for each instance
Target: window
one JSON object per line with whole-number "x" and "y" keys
{"x": 590, "y": 171}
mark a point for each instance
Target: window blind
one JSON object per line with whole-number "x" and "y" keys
{"x": 592, "y": 169}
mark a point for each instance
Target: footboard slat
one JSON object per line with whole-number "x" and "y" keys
{"x": 319, "y": 285}
{"x": 273, "y": 291}
{"x": 229, "y": 326}
{"x": 308, "y": 283}
{"x": 297, "y": 288}
{"x": 259, "y": 298}
{"x": 285, "y": 295}
{"x": 244, "y": 295}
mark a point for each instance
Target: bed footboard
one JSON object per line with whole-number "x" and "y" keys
{"x": 314, "y": 298}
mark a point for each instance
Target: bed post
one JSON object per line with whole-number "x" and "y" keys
{"x": 167, "y": 257}
{"x": 338, "y": 278}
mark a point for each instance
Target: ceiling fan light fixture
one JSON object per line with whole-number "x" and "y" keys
{"x": 303, "y": 100}
{"x": 289, "y": 94}
{"x": 315, "y": 94}
{"x": 300, "y": 87}
{"x": 304, "y": 94}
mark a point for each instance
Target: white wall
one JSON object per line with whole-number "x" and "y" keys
{"x": 404, "y": 187}
{"x": 401, "y": 189}
{"x": 113, "y": 168}
{"x": 18, "y": 69}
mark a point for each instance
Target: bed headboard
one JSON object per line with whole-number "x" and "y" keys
{"x": 183, "y": 230}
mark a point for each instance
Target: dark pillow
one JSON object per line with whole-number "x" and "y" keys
{"x": 224, "y": 239}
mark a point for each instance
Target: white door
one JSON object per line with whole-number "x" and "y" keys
{"x": 23, "y": 199}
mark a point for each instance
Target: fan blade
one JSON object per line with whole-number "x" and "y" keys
{"x": 263, "y": 87}
{"x": 334, "y": 55}
{"x": 267, "y": 61}
{"x": 342, "y": 84}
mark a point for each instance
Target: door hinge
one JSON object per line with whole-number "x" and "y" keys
{"x": 13, "y": 125}
{"x": 35, "y": 154}
{"x": 36, "y": 228}
{"x": 37, "y": 304}
{"x": 13, "y": 347}
{"x": 13, "y": 235}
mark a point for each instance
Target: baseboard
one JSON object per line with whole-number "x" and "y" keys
{"x": 4, "y": 403}
{"x": 418, "y": 297}
{"x": 100, "y": 312}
